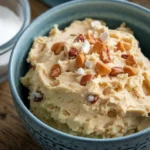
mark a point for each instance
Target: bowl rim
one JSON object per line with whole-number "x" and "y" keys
{"x": 17, "y": 99}
{"x": 27, "y": 16}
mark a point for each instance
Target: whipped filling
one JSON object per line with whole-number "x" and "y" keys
{"x": 92, "y": 81}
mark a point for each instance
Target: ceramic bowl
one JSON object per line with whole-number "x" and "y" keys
{"x": 57, "y": 2}
{"x": 54, "y": 2}
{"x": 114, "y": 13}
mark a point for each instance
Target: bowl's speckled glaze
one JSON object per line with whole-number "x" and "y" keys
{"x": 114, "y": 13}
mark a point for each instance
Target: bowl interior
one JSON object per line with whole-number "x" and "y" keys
{"x": 113, "y": 12}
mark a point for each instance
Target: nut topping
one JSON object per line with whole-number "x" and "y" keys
{"x": 81, "y": 71}
{"x": 124, "y": 56}
{"x": 102, "y": 69}
{"x": 130, "y": 71}
{"x": 86, "y": 47}
{"x": 80, "y": 37}
{"x": 73, "y": 53}
{"x": 80, "y": 60}
{"x": 85, "y": 79}
{"x": 98, "y": 47}
{"x": 55, "y": 71}
{"x": 57, "y": 48}
{"x": 116, "y": 70}
{"x": 123, "y": 46}
{"x": 131, "y": 61}
{"x": 89, "y": 64}
{"x": 92, "y": 98}
{"x": 36, "y": 96}
{"x": 104, "y": 36}
{"x": 90, "y": 38}
{"x": 104, "y": 56}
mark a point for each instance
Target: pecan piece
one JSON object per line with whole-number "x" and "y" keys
{"x": 104, "y": 56}
{"x": 90, "y": 38}
{"x": 130, "y": 71}
{"x": 124, "y": 56}
{"x": 55, "y": 71}
{"x": 37, "y": 96}
{"x": 98, "y": 47}
{"x": 57, "y": 48}
{"x": 92, "y": 98}
{"x": 131, "y": 61}
{"x": 80, "y": 37}
{"x": 85, "y": 79}
{"x": 116, "y": 70}
{"x": 80, "y": 60}
{"x": 102, "y": 69}
{"x": 73, "y": 53}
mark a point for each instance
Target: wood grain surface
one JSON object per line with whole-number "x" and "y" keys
{"x": 145, "y": 3}
{"x": 13, "y": 136}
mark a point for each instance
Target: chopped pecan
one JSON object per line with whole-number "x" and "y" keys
{"x": 92, "y": 98}
{"x": 124, "y": 56}
{"x": 73, "y": 53}
{"x": 102, "y": 69}
{"x": 104, "y": 56}
{"x": 90, "y": 38}
{"x": 55, "y": 71}
{"x": 123, "y": 46}
{"x": 80, "y": 60}
{"x": 57, "y": 48}
{"x": 98, "y": 47}
{"x": 131, "y": 61}
{"x": 80, "y": 37}
{"x": 130, "y": 70}
{"x": 37, "y": 96}
{"x": 116, "y": 70}
{"x": 85, "y": 79}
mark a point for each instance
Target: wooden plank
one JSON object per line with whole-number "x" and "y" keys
{"x": 145, "y": 3}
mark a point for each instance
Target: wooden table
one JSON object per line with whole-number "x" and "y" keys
{"x": 13, "y": 136}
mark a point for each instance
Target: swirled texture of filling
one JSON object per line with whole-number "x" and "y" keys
{"x": 89, "y": 80}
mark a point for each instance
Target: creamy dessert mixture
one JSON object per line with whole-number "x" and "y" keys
{"x": 89, "y": 80}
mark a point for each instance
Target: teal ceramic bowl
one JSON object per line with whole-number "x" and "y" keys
{"x": 54, "y": 2}
{"x": 57, "y": 2}
{"x": 114, "y": 13}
